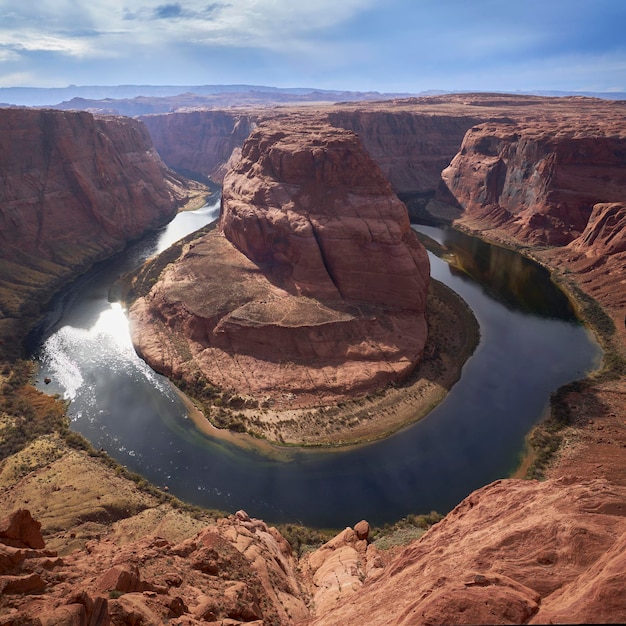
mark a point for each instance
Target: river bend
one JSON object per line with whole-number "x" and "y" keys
{"x": 530, "y": 345}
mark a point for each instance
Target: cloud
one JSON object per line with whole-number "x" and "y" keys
{"x": 371, "y": 44}
{"x": 167, "y": 11}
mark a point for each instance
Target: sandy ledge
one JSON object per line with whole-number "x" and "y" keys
{"x": 453, "y": 334}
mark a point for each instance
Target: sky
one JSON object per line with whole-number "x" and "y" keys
{"x": 393, "y": 46}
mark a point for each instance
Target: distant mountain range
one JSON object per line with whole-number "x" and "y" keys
{"x": 144, "y": 99}
{"x": 48, "y": 96}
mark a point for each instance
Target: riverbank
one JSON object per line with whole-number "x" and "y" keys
{"x": 453, "y": 335}
{"x": 584, "y": 434}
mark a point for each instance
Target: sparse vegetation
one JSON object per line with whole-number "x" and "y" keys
{"x": 547, "y": 438}
{"x": 304, "y": 538}
{"x": 26, "y": 412}
{"x": 403, "y": 531}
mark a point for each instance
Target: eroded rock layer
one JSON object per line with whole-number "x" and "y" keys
{"x": 539, "y": 181}
{"x": 75, "y": 189}
{"x": 513, "y": 552}
{"x": 315, "y": 285}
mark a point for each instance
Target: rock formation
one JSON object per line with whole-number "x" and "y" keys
{"x": 537, "y": 181}
{"x": 239, "y": 571}
{"x": 513, "y": 552}
{"x": 75, "y": 189}
{"x": 314, "y": 286}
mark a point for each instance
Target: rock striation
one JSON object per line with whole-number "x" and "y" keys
{"x": 539, "y": 181}
{"x": 315, "y": 285}
{"x": 513, "y": 552}
{"x": 75, "y": 189}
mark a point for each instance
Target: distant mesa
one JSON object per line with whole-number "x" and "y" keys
{"x": 313, "y": 287}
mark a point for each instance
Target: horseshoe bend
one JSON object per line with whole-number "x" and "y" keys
{"x": 546, "y": 175}
{"x": 311, "y": 292}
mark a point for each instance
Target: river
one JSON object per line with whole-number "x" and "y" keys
{"x": 530, "y": 345}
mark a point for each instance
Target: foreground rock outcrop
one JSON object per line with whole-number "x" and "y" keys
{"x": 75, "y": 189}
{"x": 314, "y": 285}
{"x": 237, "y": 571}
{"x": 513, "y": 552}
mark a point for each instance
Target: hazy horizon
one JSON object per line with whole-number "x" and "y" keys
{"x": 392, "y": 46}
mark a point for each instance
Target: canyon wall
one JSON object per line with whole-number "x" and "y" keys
{"x": 539, "y": 181}
{"x": 199, "y": 141}
{"x": 598, "y": 258}
{"x": 75, "y": 189}
{"x": 411, "y": 148}
{"x": 534, "y": 167}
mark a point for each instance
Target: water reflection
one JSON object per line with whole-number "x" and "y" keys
{"x": 505, "y": 275}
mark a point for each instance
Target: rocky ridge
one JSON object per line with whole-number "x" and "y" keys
{"x": 512, "y": 552}
{"x": 314, "y": 285}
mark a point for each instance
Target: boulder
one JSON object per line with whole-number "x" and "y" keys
{"x": 20, "y": 530}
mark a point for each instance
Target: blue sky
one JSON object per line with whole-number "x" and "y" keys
{"x": 361, "y": 45}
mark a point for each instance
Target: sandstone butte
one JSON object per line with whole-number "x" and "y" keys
{"x": 75, "y": 189}
{"x": 313, "y": 287}
{"x": 104, "y": 552}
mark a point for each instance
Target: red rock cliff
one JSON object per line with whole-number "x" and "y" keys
{"x": 323, "y": 293}
{"x": 598, "y": 257}
{"x": 199, "y": 141}
{"x": 410, "y": 147}
{"x": 75, "y": 189}
{"x": 539, "y": 180}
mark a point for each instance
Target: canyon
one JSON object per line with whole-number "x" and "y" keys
{"x": 543, "y": 175}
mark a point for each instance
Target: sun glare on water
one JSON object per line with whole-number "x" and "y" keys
{"x": 113, "y": 324}
{"x": 72, "y": 351}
